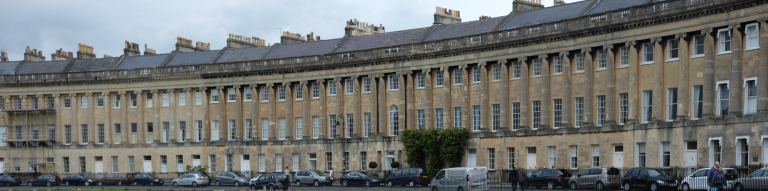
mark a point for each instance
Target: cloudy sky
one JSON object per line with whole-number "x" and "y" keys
{"x": 105, "y": 25}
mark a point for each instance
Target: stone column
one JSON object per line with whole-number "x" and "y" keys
{"x": 487, "y": 120}
{"x": 409, "y": 106}
{"x": 289, "y": 120}
{"x": 428, "y": 98}
{"x": 682, "y": 88}
{"x": 341, "y": 130}
{"x": 140, "y": 133}
{"x": 357, "y": 116}
{"x": 272, "y": 117}
{"x": 74, "y": 108}
{"x": 566, "y": 106}
{"x": 708, "y": 108}
{"x": 323, "y": 110}
{"x": 125, "y": 126}
{"x": 633, "y": 75}
{"x": 503, "y": 107}
{"x": 57, "y": 105}
{"x": 545, "y": 97}
{"x": 401, "y": 105}
{"x": 223, "y": 122}
{"x": 446, "y": 100}
{"x": 255, "y": 120}
{"x": 381, "y": 89}
{"x": 588, "y": 90}
{"x": 239, "y": 122}
{"x": 92, "y": 130}
{"x": 306, "y": 118}
{"x": 762, "y": 93}
{"x": 466, "y": 121}
{"x": 172, "y": 122}
{"x": 374, "y": 99}
{"x": 524, "y": 111}
{"x": 190, "y": 102}
{"x": 610, "y": 93}
{"x": 736, "y": 106}
{"x": 658, "y": 81}
{"x": 206, "y": 120}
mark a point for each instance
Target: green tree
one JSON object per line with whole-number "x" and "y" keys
{"x": 395, "y": 164}
{"x": 373, "y": 165}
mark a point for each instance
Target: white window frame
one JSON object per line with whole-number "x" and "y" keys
{"x": 672, "y": 102}
{"x": 262, "y": 163}
{"x": 366, "y": 85}
{"x": 595, "y": 155}
{"x": 694, "y": 47}
{"x": 536, "y": 115}
{"x": 624, "y": 56}
{"x": 516, "y": 70}
{"x": 166, "y": 99}
{"x": 491, "y": 159}
{"x": 280, "y": 93}
{"x": 68, "y": 102}
{"x": 248, "y": 94}
{"x": 694, "y": 101}
{"x": 580, "y": 62}
{"x": 281, "y": 128}
{"x": 623, "y": 108}
{"x": 264, "y": 128}
{"x": 116, "y": 99}
{"x": 350, "y": 125}
{"x": 557, "y": 113}
{"x": 662, "y": 154}
{"x": 558, "y": 65}
{"x": 747, "y": 106}
{"x": 299, "y": 126}
{"x": 600, "y": 110}
{"x": 315, "y": 90}
{"x": 420, "y": 119}
{"x": 439, "y": 79}
{"x": 647, "y": 106}
{"x": 100, "y": 101}
{"x": 366, "y": 124}
{"x": 645, "y": 53}
{"x": 457, "y": 117}
{"x": 214, "y": 96}
{"x": 496, "y": 72}
{"x": 349, "y": 86}
{"x": 643, "y": 153}
{"x": 579, "y": 112}
{"x": 574, "y": 157}
{"x": 718, "y": 105}
{"x": 182, "y": 98}
{"x": 536, "y": 67}
{"x": 673, "y": 45}
{"x": 393, "y": 120}
{"x": 198, "y": 97}
{"x": 712, "y": 150}
{"x": 495, "y": 117}
{"x": 393, "y": 82}
{"x": 515, "y": 116}
{"x": 232, "y": 130}
{"x": 476, "y": 118}
{"x": 748, "y": 44}
{"x": 601, "y": 59}
{"x": 476, "y": 75}
{"x": 298, "y": 92}
{"x": 457, "y": 76}
{"x": 552, "y": 156}
{"x": 420, "y": 81}
{"x": 738, "y": 150}
{"x": 83, "y": 101}
{"x": 438, "y": 118}
{"x": 264, "y": 94}
{"x": 315, "y": 127}
{"x": 721, "y": 41}
{"x": 231, "y": 95}
{"x": 248, "y": 129}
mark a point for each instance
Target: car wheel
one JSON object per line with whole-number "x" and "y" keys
{"x": 152, "y": 183}
{"x": 66, "y": 183}
{"x": 253, "y": 187}
{"x": 271, "y": 187}
{"x": 367, "y": 183}
{"x": 48, "y": 184}
{"x": 237, "y": 184}
{"x": 218, "y": 183}
{"x": 654, "y": 187}
{"x": 316, "y": 184}
{"x": 87, "y": 183}
{"x": 99, "y": 183}
{"x": 344, "y": 183}
{"x": 573, "y": 186}
{"x": 298, "y": 183}
{"x": 194, "y": 184}
{"x": 411, "y": 184}
{"x": 738, "y": 187}
{"x": 627, "y": 187}
{"x": 460, "y": 189}
{"x": 686, "y": 187}
{"x": 389, "y": 183}
{"x": 599, "y": 186}
{"x": 434, "y": 189}
{"x": 550, "y": 185}
{"x": 30, "y": 184}
{"x": 175, "y": 184}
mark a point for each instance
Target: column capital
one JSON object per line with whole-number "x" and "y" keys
{"x": 320, "y": 81}
{"x": 219, "y": 87}
{"x": 269, "y": 85}
{"x": 706, "y": 30}
{"x": 154, "y": 91}
{"x": 286, "y": 84}
{"x": 337, "y": 79}
{"x": 426, "y": 70}
{"x": 38, "y": 95}
{"x": 188, "y": 89}
{"x": 481, "y": 64}
{"x": 608, "y": 47}
{"x": 169, "y": 90}
{"x": 70, "y": 94}
{"x": 237, "y": 86}
{"x": 630, "y": 43}
{"x": 375, "y": 75}
{"x": 762, "y": 20}
{"x": 734, "y": 26}
{"x": 502, "y": 61}
{"x": 564, "y": 53}
{"x": 522, "y": 59}
{"x": 543, "y": 56}
{"x": 253, "y": 86}
{"x": 681, "y": 35}
{"x": 355, "y": 77}
{"x": 54, "y": 95}
{"x": 121, "y": 92}
{"x": 442, "y": 69}
{"x": 25, "y": 96}
{"x": 137, "y": 91}
{"x": 88, "y": 94}
{"x": 656, "y": 39}
{"x": 586, "y": 50}
{"x": 303, "y": 82}
{"x": 408, "y": 72}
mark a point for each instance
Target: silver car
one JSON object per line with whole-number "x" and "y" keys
{"x": 230, "y": 178}
{"x": 598, "y": 178}
{"x": 754, "y": 181}
{"x": 311, "y": 178}
{"x": 193, "y": 180}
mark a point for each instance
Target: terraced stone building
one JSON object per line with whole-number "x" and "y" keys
{"x": 597, "y": 82}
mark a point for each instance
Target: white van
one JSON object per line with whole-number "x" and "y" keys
{"x": 461, "y": 179}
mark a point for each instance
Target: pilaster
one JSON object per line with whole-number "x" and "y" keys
{"x": 709, "y": 74}
{"x": 504, "y": 106}
{"x": 428, "y": 98}
{"x": 524, "y": 103}
{"x": 323, "y": 110}
{"x": 272, "y": 118}
{"x": 545, "y": 96}
{"x": 762, "y": 93}
{"x": 633, "y": 82}
{"x": 610, "y": 83}
{"x": 239, "y": 122}
{"x": 658, "y": 81}
{"x": 682, "y": 88}
{"x": 485, "y": 114}
{"x": 736, "y": 88}
{"x": 566, "y": 117}
{"x": 589, "y": 94}
{"x": 290, "y": 129}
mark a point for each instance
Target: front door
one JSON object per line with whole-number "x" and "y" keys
{"x": 99, "y": 166}
{"x": 2, "y": 165}
{"x": 472, "y": 158}
{"x": 245, "y": 163}
{"x": 765, "y": 151}
{"x": 195, "y": 160}
{"x": 618, "y": 156}
{"x": 147, "y": 163}
{"x": 531, "y": 159}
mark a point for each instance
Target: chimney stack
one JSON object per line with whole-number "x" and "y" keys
{"x": 33, "y": 55}
{"x": 484, "y": 17}
{"x": 61, "y": 55}
{"x": 148, "y": 51}
{"x": 311, "y": 37}
{"x": 445, "y": 16}
{"x": 107, "y": 56}
{"x": 85, "y": 52}
{"x": 356, "y": 28}
{"x": 201, "y": 46}
{"x": 3, "y": 56}
{"x": 559, "y": 2}
{"x": 519, "y": 6}
{"x": 184, "y": 45}
{"x": 291, "y": 38}
{"x": 131, "y": 49}
{"x": 240, "y": 41}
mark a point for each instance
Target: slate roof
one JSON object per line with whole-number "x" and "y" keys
{"x": 192, "y": 58}
{"x": 464, "y": 29}
{"x": 382, "y": 40}
{"x": 133, "y": 62}
{"x": 42, "y": 67}
{"x": 303, "y": 49}
{"x": 610, "y": 5}
{"x": 549, "y": 14}
{"x": 8, "y": 68}
{"x": 90, "y": 65}
{"x": 243, "y": 54}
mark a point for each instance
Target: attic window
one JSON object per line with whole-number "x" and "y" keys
{"x": 619, "y": 14}
{"x": 298, "y": 60}
{"x": 535, "y": 29}
{"x": 146, "y": 71}
{"x": 317, "y": 59}
{"x": 347, "y": 55}
{"x": 513, "y": 33}
{"x": 391, "y": 50}
{"x": 475, "y": 39}
{"x": 281, "y": 61}
{"x": 453, "y": 42}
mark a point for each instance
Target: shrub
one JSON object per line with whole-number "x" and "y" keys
{"x": 373, "y": 165}
{"x": 395, "y": 164}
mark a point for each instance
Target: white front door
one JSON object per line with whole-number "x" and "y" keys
{"x": 531, "y": 161}
{"x": 618, "y": 160}
{"x": 2, "y": 136}
{"x": 472, "y": 159}
{"x": 765, "y": 151}
{"x": 2, "y": 165}
{"x": 99, "y": 167}
{"x": 245, "y": 163}
{"x": 690, "y": 158}
{"x": 196, "y": 160}
{"x": 147, "y": 164}
{"x": 389, "y": 162}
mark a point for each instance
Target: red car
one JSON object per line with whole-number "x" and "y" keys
{"x": 119, "y": 179}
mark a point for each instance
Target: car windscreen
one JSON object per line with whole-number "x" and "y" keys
{"x": 614, "y": 171}
{"x": 655, "y": 173}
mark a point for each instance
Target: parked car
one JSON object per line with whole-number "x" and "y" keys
{"x": 47, "y": 180}
{"x": 648, "y": 179}
{"x": 311, "y": 178}
{"x": 6, "y": 180}
{"x": 76, "y": 179}
{"x": 409, "y": 176}
{"x": 230, "y": 178}
{"x": 272, "y": 181}
{"x": 357, "y": 178}
{"x": 755, "y": 181}
{"x": 147, "y": 180}
{"x": 462, "y": 178}
{"x": 116, "y": 179}
{"x": 698, "y": 180}
{"x": 598, "y": 178}
{"x": 191, "y": 179}
{"x": 550, "y": 178}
